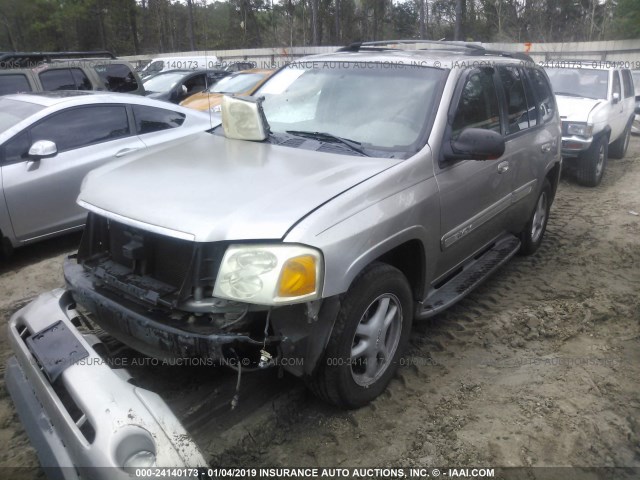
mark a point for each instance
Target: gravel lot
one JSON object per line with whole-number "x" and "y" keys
{"x": 540, "y": 366}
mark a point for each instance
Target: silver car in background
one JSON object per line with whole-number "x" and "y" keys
{"x": 49, "y": 141}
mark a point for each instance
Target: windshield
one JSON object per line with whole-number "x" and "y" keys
{"x": 587, "y": 82}
{"x": 237, "y": 83}
{"x": 379, "y": 106}
{"x": 14, "y": 111}
{"x": 163, "y": 82}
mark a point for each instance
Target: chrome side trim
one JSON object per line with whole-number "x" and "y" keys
{"x": 475, "y": 222}
{"x": 524, "y": 190}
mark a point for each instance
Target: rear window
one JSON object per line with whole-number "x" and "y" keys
{"x": 14, "y": 111}
{"x": 14, "y": 83}
{"x": 117, "y": 77}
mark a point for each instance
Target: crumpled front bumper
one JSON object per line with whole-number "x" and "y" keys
{"x": 90, "y": 417}
{"x": 572, "y": 146}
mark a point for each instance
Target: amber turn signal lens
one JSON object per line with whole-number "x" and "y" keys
{"x": 298, "y": 277}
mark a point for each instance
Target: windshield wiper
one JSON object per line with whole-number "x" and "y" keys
{"x": 324, "y": 136}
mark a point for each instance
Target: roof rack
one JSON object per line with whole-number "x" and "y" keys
{"x": 30, "y": 59}
{"x": 468, "y": 48}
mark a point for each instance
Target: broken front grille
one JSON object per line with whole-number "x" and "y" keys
{"x": 147, "y": 266}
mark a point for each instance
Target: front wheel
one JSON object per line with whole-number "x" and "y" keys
{"x": 592, "y": 163}
{"x": 531, "y": 236}
{"x": 371, "y": 332}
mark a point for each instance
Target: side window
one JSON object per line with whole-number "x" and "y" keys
{"x": 152, "y": 119}
{"x": 627, "y": 81}
{"x": 544, "y": 97}
{"x": 97, "y": 124}
{"x": 195, "y": 84}
{"x": 117, "y": 77}
{"x": 478, "y": 105}
{"x": 616, "y": 84}
{"x": 517, "y": 111}
{"x": 17, "y": 83}
{"x": 57, "y": 79}
{"x": 81, "y": 80}
{"x": 16, "y": 149}
{"x": 64, "y": 79}
{"x": 531, "y": 100}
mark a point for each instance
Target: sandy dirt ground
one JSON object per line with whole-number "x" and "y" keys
{"x": 540, "y": 366}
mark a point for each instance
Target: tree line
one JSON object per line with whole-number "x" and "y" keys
{"x": 132, "y": 27}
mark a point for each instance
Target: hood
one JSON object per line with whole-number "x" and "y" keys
{"x": 203, "y": 101}
{"x": 208, "y": 188}
{"x": 576, "y": 109}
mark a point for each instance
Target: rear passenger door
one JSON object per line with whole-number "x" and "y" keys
{"x": 474, "y": 195}
{"x": 529, "y": 144}
{"x": 41, "y": 194}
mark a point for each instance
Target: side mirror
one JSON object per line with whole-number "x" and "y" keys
{"x": 476, "y": 144}
{"x": 616, "y": 98}
{"x": 42, "y": 149}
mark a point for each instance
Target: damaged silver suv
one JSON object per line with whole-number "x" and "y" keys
{"x": 355, "y": 192}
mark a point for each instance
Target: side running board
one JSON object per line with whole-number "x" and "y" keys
{"x": 471, "y": 275}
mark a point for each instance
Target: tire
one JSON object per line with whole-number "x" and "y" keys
{"x": 533, "y": 233}
{"x": 618, "y": 149}
{"x": 591, "y": 165}
{"x": 6, "y": 249}
{"x": 342, "y": 377}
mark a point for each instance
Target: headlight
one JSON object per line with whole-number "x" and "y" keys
{"x": 580, "y": 129}
{"x": 270, "y": 274}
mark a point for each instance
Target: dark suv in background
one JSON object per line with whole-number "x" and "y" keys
{"x": 37, "y": 72}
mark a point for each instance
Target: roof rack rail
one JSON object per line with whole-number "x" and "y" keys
{"x": 28, "y": 59}
{"x": 357, "y": 46}
{"x": 469, "y": 48}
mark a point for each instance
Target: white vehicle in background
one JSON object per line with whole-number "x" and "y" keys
{"x": 635, "y": 128}
{"x": 163, "y": 64}
{"x": 596, "y": 102}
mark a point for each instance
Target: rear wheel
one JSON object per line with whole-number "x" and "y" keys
{"x": 618, "y": 149}
{"x": 592, "y": 163}
{"x": 368, "y": 338}
{"x": 6, "y": 249}
{"x": 531, "y": 236}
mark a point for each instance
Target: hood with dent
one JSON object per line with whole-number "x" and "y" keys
{"x": 576, "y": 109}
{"x": 213, "y": 188}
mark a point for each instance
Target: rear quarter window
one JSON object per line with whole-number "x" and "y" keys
{"x": 117, "y": 77}
{"x": 152, "y": 119}
{"x": 544, "y": 96}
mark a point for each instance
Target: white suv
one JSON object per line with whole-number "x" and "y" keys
{"x": 596, "y": 104}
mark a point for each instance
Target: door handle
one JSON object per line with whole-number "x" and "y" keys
{"x": 503, "y": 167}
{"x": 546, "y": 148}
{"x": 125, "y": 151}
